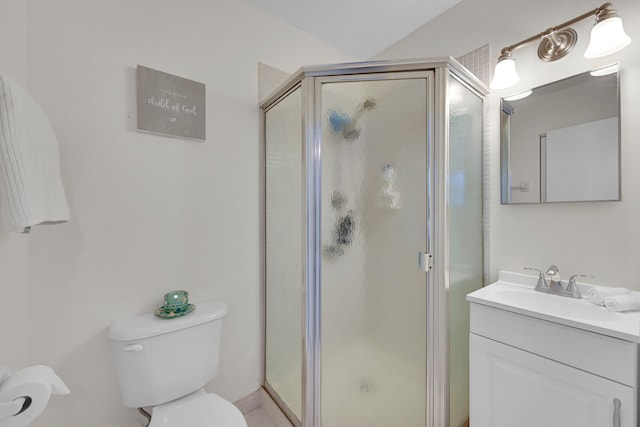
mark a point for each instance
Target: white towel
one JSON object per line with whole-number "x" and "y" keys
{"x": 31, "y": 189}
{"x": 598, "y": 294}
{"x": 626, "y": 302}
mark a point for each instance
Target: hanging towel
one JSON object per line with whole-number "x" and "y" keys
{"x": 626, "y": 302}
{"x": 31, "y": 189}
{"x": 598, "y": 294}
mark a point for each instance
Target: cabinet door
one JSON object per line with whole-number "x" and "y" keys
{"x": 514, "y": 388}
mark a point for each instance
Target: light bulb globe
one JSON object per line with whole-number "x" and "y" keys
{"x": 607, "y": 37}
{"x": 505, "y": 74}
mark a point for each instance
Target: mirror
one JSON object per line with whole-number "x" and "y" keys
{"x": 561, "y": 142}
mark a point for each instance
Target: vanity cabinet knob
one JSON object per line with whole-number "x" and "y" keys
{"x": 616, "y": 412}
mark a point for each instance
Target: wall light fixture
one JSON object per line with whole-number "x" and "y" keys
{"x": 607, "y": 37}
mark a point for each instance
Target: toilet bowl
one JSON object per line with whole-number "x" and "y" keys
{"x": 165, "y": 363}
{"x": 199, "y": 409}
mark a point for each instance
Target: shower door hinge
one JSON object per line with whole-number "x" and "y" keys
{"x": 425, "y": 261}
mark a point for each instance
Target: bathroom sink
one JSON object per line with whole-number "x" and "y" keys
{"x": 525, "y": 297}
{"x": 514, "y": 292}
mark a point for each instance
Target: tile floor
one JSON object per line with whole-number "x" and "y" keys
{"x": 261, "y": 411}
{"x": 258, "y": 418}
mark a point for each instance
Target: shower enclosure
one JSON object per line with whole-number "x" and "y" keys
{"x": 373, "y": 237}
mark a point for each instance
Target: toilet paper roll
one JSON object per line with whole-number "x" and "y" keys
{"x": 35, "y": 385}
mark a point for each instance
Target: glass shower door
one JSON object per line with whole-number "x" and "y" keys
{"x": 375, "y": 144}
{"x": 464, "y": 218}
{"x": 283, "y": 254}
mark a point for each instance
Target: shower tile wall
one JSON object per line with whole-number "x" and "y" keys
{"x": 478, "y": 61}
{"x": 269, "y": 78}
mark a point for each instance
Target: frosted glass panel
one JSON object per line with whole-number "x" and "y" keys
{"x": 464, "y": 214}
{"x": 373, "y": 295}
{"x": 284, "y": 269}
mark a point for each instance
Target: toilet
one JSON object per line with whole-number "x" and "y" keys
{"x": 165, "y": 363}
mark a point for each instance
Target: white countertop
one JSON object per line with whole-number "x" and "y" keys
{"x": 514, "y": 292}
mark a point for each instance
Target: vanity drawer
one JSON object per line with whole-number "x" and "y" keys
{"x": 602, "y": 355}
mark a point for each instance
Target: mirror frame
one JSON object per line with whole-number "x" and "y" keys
{"x": 505, "y": 147}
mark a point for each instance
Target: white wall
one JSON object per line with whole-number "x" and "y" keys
{"x": 598, "y": 238}
{"x": 150, "y": 214}
{"x": 13, "y": 248}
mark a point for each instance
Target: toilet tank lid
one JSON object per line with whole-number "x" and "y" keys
{"x": 148, "y": 325}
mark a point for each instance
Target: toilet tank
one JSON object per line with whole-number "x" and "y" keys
{"x": 160, "y": 360}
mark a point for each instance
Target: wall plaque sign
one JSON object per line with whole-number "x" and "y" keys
{"x": 170, "y": 105}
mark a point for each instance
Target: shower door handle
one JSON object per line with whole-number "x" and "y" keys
{"x": 425, "y": 261}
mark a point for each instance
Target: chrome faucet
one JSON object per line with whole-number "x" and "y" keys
{"x": 554, "y": 286}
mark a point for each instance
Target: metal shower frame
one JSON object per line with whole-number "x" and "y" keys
{"x": 310, "y": 79}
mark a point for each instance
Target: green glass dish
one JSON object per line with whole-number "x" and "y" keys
{"x": 165, "y": 313}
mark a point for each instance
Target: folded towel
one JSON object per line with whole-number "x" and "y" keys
{"x": 625, "y": 302}
{"x": 31, "y": 189}
{"x": 598, "y": 294}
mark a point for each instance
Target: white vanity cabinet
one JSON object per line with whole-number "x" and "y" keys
{"x": 539, "y": 360}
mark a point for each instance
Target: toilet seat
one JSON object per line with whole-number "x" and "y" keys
{"x": 199, "y": 409}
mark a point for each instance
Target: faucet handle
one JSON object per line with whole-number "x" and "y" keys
{"x": 572, "y": 279}
{"x": 542, "y": 281}
{"x": 572, "y": 288}
{"x": 534, "y": 269}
